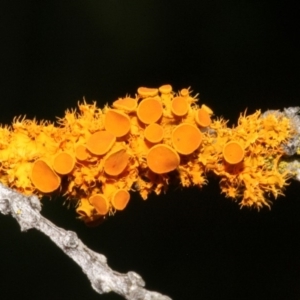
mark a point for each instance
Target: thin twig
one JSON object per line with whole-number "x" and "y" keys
{"x": 26, "y": 210}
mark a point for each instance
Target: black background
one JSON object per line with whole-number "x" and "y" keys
{"x": 188, "y": 244}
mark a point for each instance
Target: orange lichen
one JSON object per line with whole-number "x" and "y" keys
{"x": 149, "y": 110}
{"x": 127, "y": 104}
{"x": 100, "y": 142}
{"x": 116, "y": 162}
{"x": 184, "y": 92}
{"x": 120, "y": 199}
{"x": 202, "y": 117}
{"x": 101, "y": 203}
{"x": 117, "y": 123}
{"x": 179, "y": 106}
{"x": 154, "y": 133}
{"x": 81, "y": 152}
{"x": 63, "y": 163}
{"x": 143, "y": 144}
{"x": 145, "y": 92}
{"x": 186, "y": 138}
{"x": 233, "y": 152}
{"x": 165, "y": 89}
{"x": 162, "y": 159}
{"x": 43, "y": 177}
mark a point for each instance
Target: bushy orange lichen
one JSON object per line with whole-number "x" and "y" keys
{"x": 96, "y": 157}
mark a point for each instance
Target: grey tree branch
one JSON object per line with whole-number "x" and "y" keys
{"x": 26, "y": 210}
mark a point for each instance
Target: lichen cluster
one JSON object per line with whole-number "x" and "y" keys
{"x": 95, "y": 157}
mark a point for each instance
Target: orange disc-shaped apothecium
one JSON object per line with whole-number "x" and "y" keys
{"x": 162, "y": 159}
{"x": 43, "y": 177}
{"x": 186, "y": 138}
{"x": 81, "y": 152}
{"x": 63, "y": 163}
{"x": 116, "y": 162}
{"x": 165, "y": 89}
{"x": 127, "y": 104}
{"x": 117, "y": 123}
{"x": 233, "y": 152}
{"x": 149, "y": 110}
{"x": 202, "y": 117}
{"x": 100, "y": 142}
{"x": 147, "y": 92}
{"x": 100, "y": 202}
{"x": 120, "y": 199}
{"x": 179, "y": 106}
{"x": 154, "y": 133}
{"x": 184, "y": 92}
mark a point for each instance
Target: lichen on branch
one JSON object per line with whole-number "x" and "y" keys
{"x": 97, "y": 157}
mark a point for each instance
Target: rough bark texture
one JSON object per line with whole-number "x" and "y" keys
{"x": 26, "y": 210}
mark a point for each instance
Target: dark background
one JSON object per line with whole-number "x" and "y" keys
{"x": 188, "y": 244}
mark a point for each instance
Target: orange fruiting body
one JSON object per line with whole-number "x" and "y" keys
{"x": 117, "y": 123}
{"x": 120, "y": 199}
{"x": 116, "y": 162}
{"x": 63, "y": 163}
{"x": 162, "y": 159}
{"x": 145, "y": 92}
{"x": 154, "y": 133}
{"x": 186, "y": 138}
{"x": 179, "y": 106}
{"x": 149, "y": 110}
{"x": 202, "y": 117}
{"x": 100, "y": 202}
{"x": 81, "y": 152}
{"x": 43, "y": 177}
{"x": 165, "y": 89}
{"x": 233, "y": 152}
{"x": 100, "y": 142}
{"x": 126, "y": 104}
